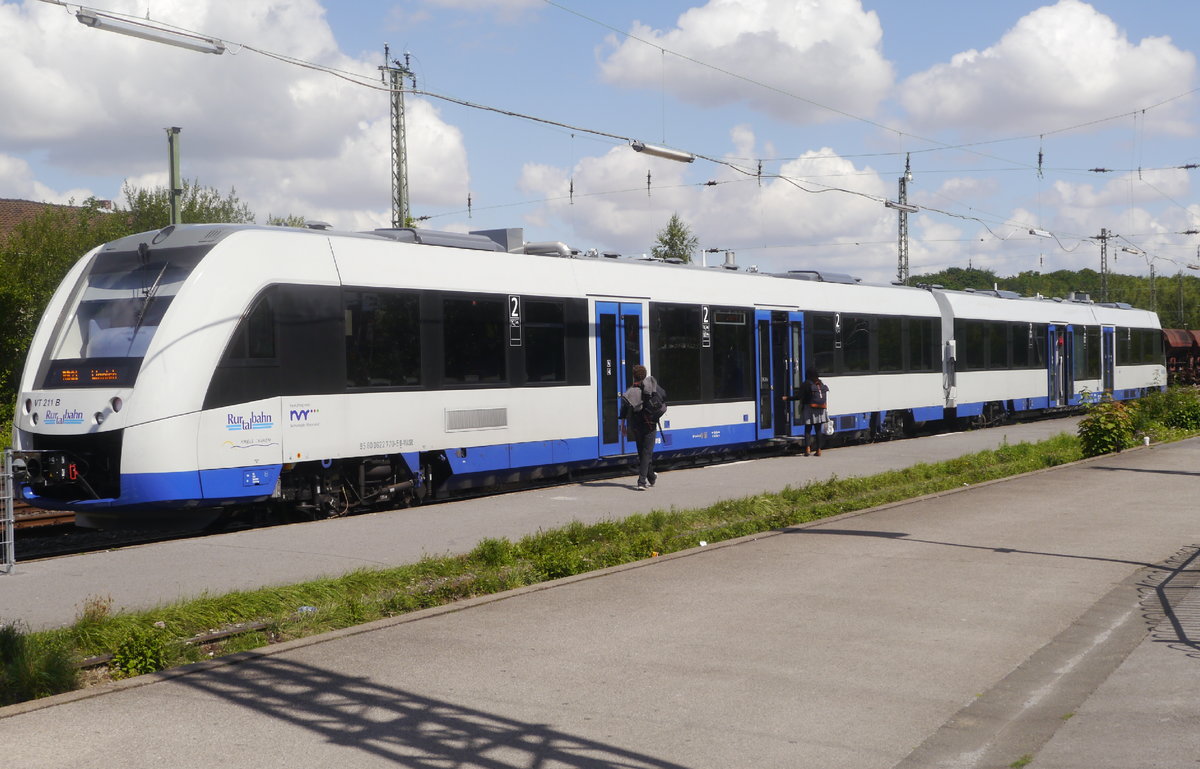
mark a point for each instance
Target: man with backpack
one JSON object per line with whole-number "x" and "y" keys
{"x": 644, "y": 404}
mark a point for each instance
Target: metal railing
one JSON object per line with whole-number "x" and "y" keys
{"x": 8, "y": 554}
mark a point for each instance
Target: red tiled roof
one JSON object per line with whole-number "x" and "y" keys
{"x": 13, "y": 212}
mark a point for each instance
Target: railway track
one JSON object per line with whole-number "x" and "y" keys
{"x": 48, "y": 534}
{"x": 26, "y": 516}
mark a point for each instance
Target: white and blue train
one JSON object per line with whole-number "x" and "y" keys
{"x": 203, "y": 368}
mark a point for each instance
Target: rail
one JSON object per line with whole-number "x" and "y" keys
{"x": 8, "y": 552}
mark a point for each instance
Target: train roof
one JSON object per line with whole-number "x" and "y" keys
{"x": 511, "y": 240}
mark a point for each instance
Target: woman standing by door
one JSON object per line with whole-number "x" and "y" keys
{"x": 814, "y": 398}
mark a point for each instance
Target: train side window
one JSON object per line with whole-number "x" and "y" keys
{"x": 474, "y": 340}
{"x": 971, "y": 339}
{"x": 891, "y": 345}
{"x": 1078, "y": 353}
{"x": 545, "y": 331}
{"x": 856, "y": 344}
{"x": 675, "y": 348}
{"x": 1091, "y": 336}
{"x": 997, "y": 345}
{"x": 823, "y": 342}
{"x": 254, "y": 338}
{"x": 291, "y": 342}
{"x": 732, "y": 340}
{"x": 1037, "y": 348}
{"x": 383, "y": 339}
{"x": 924, "y": 342}
{"x": 1022, "y": 339}
{"x": 1152, "y": 346}
{"x": 579, "y": 338}
{"x": 1086, "y": 352}
{"x": 1126, "y": 349}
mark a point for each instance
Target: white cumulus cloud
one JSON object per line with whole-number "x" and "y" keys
{"x": 774, "y": 223}
{"x": 291, "y": 140}
{"x": 1060, "y": 66}
{"x": 828, "y": 52}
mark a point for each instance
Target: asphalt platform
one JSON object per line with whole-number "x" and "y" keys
{"x": 1051, "y": 620}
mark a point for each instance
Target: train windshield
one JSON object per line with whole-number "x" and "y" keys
{"x": 114, "y": 312}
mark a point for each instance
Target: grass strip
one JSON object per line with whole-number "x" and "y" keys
{"x": 42, "y": 663}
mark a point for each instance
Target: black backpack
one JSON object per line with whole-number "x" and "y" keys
{"x": 654, "y": 405}
{"x": 816, "y": 394}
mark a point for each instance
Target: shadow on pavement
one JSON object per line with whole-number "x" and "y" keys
{"x": 1172, "y": 600}
{"x": 902, "y": 535}
{"x": 1142, "y": 470}
{"x": 402, "y": 727}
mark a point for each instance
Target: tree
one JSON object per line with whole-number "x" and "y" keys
{"x": 676, "y": 241}
{"x": 150, "y": 209}
{"x": 285, "y": 221}
{"x": 1176, "y": 298}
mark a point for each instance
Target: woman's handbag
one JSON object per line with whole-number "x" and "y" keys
{"x": 827, "y": 427}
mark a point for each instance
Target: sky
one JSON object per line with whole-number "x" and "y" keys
{"x": 1065, "y": 118}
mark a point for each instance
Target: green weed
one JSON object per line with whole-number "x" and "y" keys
{"x": 141, "y": 650}
{"x": 1107, "y": 428}
{"x": 30, "y": 669}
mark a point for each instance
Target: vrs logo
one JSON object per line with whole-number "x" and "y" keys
{"x": 302, "y": 415}
{"x": 258, "y": 420}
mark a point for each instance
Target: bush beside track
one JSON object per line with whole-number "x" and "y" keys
{"x": 119, "y": 645}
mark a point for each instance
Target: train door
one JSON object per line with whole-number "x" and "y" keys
{"x": 1060, "y": 339}
{"x": 764, "y": 370}
{"x": 618, "y": 350}
{"x": 795, "y": 370}
{"x": 774, "y": 366}
{"x": 1108, "y": 354}
{"x": 781, "y": 380}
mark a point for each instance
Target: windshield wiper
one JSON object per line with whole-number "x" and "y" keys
{"x": 149, "y": 292}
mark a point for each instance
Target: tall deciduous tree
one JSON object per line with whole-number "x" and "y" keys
{"x": 150, "y": 209}
{"x": 676, "y": 241}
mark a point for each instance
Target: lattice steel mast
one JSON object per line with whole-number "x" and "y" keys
{"x": 394, "y": 74}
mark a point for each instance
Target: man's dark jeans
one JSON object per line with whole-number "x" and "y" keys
{"x": 645, "y": 444}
